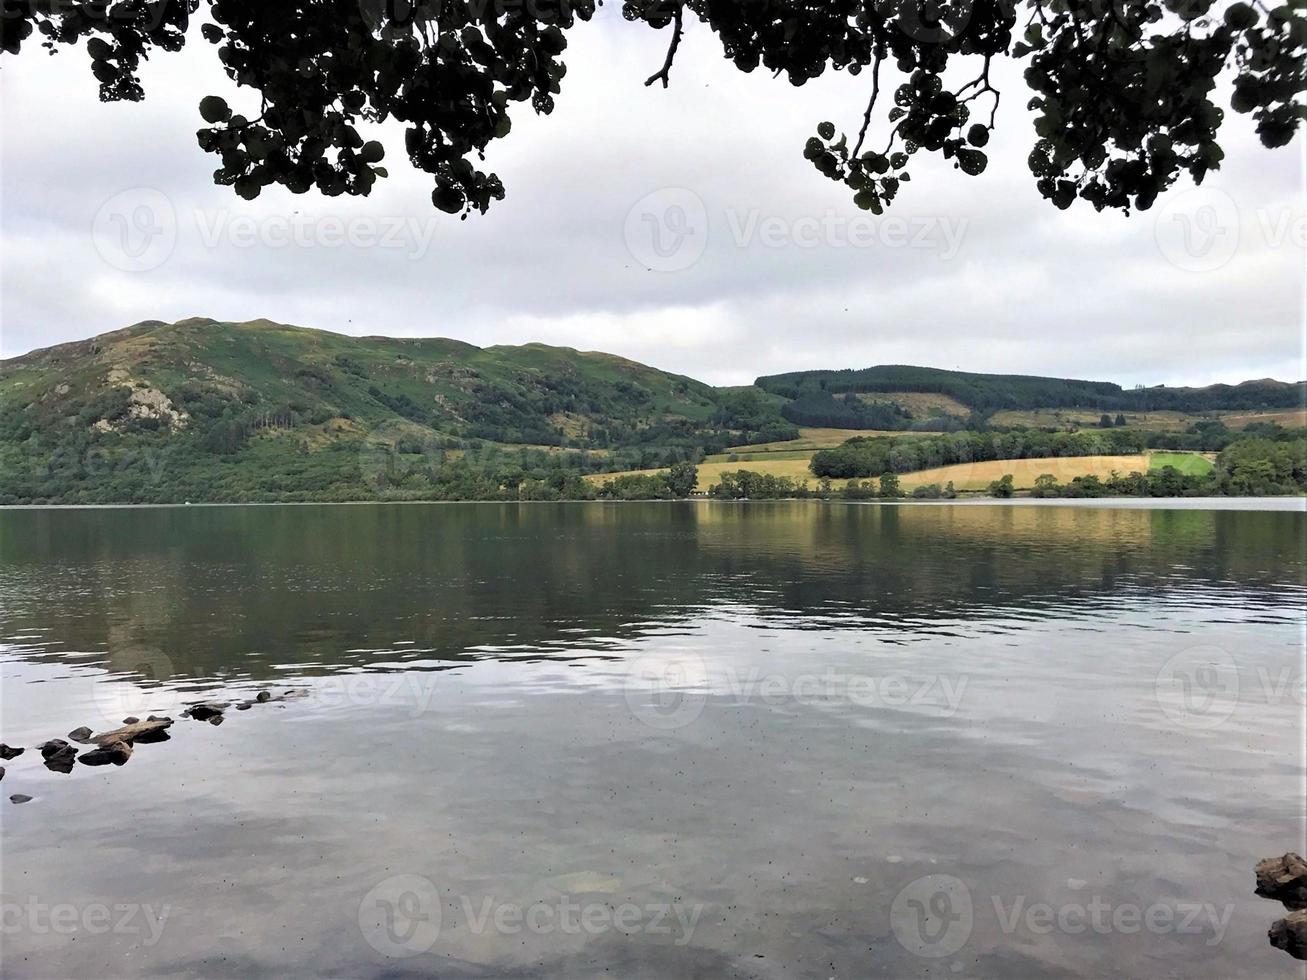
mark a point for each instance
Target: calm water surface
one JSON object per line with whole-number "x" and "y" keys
{"x": 665, "y": 740}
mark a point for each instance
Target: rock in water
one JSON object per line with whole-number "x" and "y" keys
{"x": 262, "y": 696}
{"x": 6, "y": 752}
{"x": 1290, "y": 934}
{"x": 2, "y": 772}
{"x": 82, "y": 735}
{"x": 206, "y": 710}
{"x": 1283, "y": 879}
{"x": 131, "y": 721}
{"x": 59, "y": 755}
{"x": 20, "y": 798}
{"x": 150, "y": 730}
{"x": 110, "y": 752}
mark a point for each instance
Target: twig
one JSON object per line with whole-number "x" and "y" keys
{"x": 665, "y": 72}
{"x": 871, "y": 104}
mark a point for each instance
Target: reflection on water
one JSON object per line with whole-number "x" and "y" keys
{"x": 784, "y": 739}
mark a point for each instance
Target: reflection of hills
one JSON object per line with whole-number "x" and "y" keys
{"x": 245, "y": 590}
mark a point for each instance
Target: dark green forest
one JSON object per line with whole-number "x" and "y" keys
{"x": 991, "y": 392}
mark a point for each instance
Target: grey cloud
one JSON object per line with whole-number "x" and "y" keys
{"x": 1023, "y": 287}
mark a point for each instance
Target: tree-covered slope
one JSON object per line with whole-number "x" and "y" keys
{"x": 221, "y": 396}
{"x": 829, "y": 397}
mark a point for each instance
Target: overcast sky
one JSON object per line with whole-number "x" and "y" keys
{"x": 760, "y": 265}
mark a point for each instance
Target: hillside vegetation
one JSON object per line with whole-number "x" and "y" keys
{"x": 838, "y": 398}
{"x": 210, "y": 410}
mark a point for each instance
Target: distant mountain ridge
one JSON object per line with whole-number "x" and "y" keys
{"x": 1017, "y": 391}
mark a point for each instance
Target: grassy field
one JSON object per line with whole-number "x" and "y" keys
{"x": 1194, "y": 464}
{"x": 1064, "y": 418}
{"x": 965, "y": 476}
{"x": 711, "y": 473}
{"x": 978, "y": 476}
{"x": 811, "y": 439}
{"x": 922, "y": 404}
{"x": 1290, "y": 418}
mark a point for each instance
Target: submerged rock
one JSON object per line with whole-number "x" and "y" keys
{"x": 1290, "y": 934}
{"x": 59, "y": 755}
{"x": 110, "y": 752}
{"x": 1283, "y": 879}
{"x": 8, "y": 752}
{"x": 20, "y": 798}
{"x": 245, "y": 706}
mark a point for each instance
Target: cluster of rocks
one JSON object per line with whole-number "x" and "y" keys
{"x": 115, "y": 747}
{"x": 1284, "y": 879}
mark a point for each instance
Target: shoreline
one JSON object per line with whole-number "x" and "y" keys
{"x": 1280, "y": 503}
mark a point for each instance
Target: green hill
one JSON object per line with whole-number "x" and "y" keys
{"x": 215, "y": 402}
{"x": 208, "y": 410}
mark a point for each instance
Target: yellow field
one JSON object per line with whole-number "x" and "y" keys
{"x": 1290, "y": 418}
{"x": 1068, "y": 418}
{"x": 978, "y": 476}
{"x": 710, "y": 473}
{"x": 965, "y": 476}
{"x": 814, "y": 439}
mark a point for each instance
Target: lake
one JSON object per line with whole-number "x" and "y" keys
{"x": 786, "y": 739}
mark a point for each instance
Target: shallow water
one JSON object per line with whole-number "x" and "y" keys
{"x": 663, "y": 740}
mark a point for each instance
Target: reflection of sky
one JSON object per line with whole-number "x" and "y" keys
{"x": 638, "y": 705}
